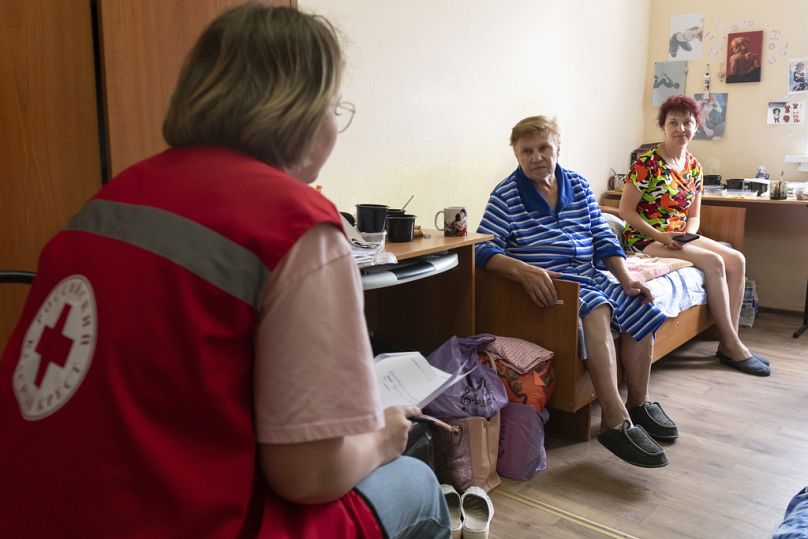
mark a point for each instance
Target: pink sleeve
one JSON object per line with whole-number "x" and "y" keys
{"x": 314, "y": 374}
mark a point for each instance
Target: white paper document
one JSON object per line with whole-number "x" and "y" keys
{"x": 407, "y": 378}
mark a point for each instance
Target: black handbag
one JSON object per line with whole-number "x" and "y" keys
{"x": 419, "y": 444}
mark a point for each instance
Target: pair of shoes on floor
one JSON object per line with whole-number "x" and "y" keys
{"x": 470, "y": 514}
{"x": 632, "y": 444}
{"x": 754, "y": 364}
{"x": 654, "y": 420}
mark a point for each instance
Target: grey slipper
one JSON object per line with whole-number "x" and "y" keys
{"x": 721, "y": 355}
{"x": 761, "y": 359}
{"x": 654, "y": 420}
{"x": 633, "y": 445}
{"x": 749, "y": 365}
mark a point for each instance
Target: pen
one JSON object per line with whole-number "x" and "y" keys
{"x": 423, "y": 418}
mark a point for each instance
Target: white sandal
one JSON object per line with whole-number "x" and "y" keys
{"x": 477, "y": 511}
{"x": 453, "y": 501}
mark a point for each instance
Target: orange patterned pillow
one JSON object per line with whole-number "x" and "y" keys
{"x": 534, "y": 387}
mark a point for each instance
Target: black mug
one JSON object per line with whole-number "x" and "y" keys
{"x": 392, "y": 212}
{"x": 370, "y": 217}
{"x": 400, "y": 228}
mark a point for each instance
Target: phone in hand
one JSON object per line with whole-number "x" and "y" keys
{"x": 686, "y": 237}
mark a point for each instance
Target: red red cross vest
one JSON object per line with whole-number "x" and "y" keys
{"x": 126, "y": 391}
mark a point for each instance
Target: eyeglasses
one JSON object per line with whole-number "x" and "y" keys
{"x": 344, "y": 112}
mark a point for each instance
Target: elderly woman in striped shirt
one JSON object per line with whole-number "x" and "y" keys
{"x": 547, "y": 225}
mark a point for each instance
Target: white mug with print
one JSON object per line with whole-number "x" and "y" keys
{"x": 455, "y": 221}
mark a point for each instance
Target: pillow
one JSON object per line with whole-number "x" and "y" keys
{"x": 523, "y": 356}
{"x": 615, "y": 223}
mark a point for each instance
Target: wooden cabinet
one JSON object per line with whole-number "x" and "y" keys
{"x": 49, "y": 147}
{"x": 84, "y": 86}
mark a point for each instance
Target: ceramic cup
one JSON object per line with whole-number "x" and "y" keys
{"x": 454, "y": 221}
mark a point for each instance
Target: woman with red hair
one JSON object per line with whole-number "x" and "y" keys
{"x": 661, "y": 203}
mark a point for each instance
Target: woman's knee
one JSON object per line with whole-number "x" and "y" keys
{"x": 407, "y": 498}
{"x": 735, "y": 262}
{"x": 598, "y": 325}
{"x": 711, "y": 264}
{"x": 598, "y": 319}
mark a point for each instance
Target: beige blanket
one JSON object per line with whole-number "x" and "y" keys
{"x": 645, "y": 267}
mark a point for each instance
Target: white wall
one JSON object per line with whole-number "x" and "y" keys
{"x": 776, "y": 242}
{"x": 438, "y": 85}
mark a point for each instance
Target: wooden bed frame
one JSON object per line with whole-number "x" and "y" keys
{"x": 503, "y": 308}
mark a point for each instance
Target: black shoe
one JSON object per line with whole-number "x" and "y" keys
{"x": 762, "y": 359}
{"x": 633, "y": 445}
{"x": 749, "y": 365}
{"x": 654, "y": 420}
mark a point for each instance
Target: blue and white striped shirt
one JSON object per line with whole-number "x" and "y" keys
{"x": 572, "y": 240}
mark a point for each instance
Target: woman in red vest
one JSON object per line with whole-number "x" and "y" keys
{"x": 193, "y": 358}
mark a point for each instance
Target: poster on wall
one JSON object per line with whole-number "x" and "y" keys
{"x": 744, "y": 50}
{"x": 686, "y": 35}
{"x": 713, "y": 108}
{"x": 796, "y": 75}
{"x": 786, "y": 112}
{"x": 669, "y": 79}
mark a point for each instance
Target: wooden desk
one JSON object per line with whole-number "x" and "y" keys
{"x": 423, "y": 314}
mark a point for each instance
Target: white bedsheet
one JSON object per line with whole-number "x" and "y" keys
{"x": 677, "y": 291}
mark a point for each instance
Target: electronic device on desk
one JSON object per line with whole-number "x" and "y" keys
{"x": 408, "y": 270}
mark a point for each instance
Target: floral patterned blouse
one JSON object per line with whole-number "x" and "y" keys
{"x": 666, "y": 195}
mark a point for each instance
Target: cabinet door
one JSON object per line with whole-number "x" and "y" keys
{"x": 49, "y": 156}
{"x": 144, "y": 43}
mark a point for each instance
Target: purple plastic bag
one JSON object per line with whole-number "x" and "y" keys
{"x": 521, "y": 441}
{"x": 481, "y": 393}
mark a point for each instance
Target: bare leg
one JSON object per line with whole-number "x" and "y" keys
{"x": 602, "y": 366}
{"x": 636, "y": 359}
{"x": 718, "y": 296}
{"x": 735, "y": 264}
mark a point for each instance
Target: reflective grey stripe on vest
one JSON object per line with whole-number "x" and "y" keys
{"x": 200, "y": 250}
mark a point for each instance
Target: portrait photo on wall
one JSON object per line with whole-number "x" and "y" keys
{"x": 687, "y": 32}
{"x": 786, "y": 112}
{"x": 796, "y": 75}
{"x": 713, "y": 108}
{"x": 669, "y": 79}
{"x": 744, "y": 50}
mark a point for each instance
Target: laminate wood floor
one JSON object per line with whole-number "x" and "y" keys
{"x": 741, "y": 455}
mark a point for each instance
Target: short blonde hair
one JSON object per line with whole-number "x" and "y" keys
{"x": 536, "y": 125}
{"x": 259, "y": 80}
